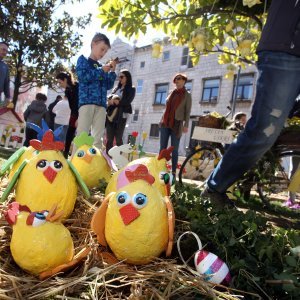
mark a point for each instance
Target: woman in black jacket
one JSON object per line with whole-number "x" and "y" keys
{"x": 119, "y": 109}
{"x": 66, "y": 81}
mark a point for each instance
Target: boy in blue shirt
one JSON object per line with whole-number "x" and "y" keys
{"x": 94, "y": 80}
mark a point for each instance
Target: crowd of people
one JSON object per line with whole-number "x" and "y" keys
{"x": 86, "y": 106}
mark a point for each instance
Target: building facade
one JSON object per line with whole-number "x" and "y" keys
{"x": 152, "y": 77}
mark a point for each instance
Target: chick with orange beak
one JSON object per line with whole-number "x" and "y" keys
{"x": 47, "y": 178}
{"x": 136, "y": 221}
{"x": 92, "y": 164}
{"x": 40, "y": 244}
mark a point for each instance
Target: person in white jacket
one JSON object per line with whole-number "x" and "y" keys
{"x": 62, "y": 112}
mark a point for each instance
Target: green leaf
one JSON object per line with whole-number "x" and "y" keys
{"x": 291, "y": 261}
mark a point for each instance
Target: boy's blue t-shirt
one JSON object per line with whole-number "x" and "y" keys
{"x": 93, "y": 82}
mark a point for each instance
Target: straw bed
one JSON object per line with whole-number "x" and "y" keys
{"x": 96, "y": 278}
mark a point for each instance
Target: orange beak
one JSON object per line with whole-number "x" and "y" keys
{"x": 129, "y": 213}
{"x": 88, "y": 158}
{"x": 50, "y": 174}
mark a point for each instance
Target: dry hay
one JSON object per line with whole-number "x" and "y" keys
{"x": 96, "y": 278}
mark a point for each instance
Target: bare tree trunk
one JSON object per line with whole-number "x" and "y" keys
{"x": 17, "y": 86}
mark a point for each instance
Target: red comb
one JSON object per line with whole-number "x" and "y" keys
{"x": 13, "y": 210}
{"x": 165, "y": 153}
{"x": 47, "y": 143}
{"x": 141, "y": 172}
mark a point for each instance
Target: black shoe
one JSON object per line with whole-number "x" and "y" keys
{"x": 218, "y": 200}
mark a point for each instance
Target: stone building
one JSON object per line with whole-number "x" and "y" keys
{"x": 210, "y": 90}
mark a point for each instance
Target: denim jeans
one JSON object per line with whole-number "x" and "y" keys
{"x": 165, "y": 133}
{"x": 277, "y": 88}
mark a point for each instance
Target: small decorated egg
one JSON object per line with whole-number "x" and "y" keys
{"x": 207, "y": 264}
{"x": 212, "y": 267}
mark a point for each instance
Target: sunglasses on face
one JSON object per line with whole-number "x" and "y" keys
{"x": 121, "y": 76}
{"x": 178, "y": 78}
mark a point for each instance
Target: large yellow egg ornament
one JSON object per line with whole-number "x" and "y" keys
{"x": 92, "y": 164}
{"x": 47, "y": 179}
{"x": 37, "y": 244}
{"x": 136, "y": 222}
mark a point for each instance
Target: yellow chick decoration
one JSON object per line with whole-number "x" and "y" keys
{"x": 40, "y": 245}
{"x": 92, "y": 165}
{"x": 136, "y": 221}
{"x": 157, "y": 167}
{"x": 37, "y": 244}
{"x": 47, "y": 179}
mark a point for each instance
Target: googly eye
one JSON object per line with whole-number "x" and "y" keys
{"x": 123, "y": 198}
{"x": 37, "y": 218}
{"x": 56, "y": 165}
{"x": 42, "y": 165}
{"x": 80, "y": 153}
{"x": 40, "y": 216}
{"x": 164, "y": 177}
{"x": 172, "y": 178}
{"x": 140, "y": 200}
{"x": 92, "y": 151}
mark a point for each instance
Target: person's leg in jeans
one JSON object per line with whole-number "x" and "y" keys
{"x": 165, "y": 133}
{"x": 64, "y": 133}
{"x": 98, "y": 125}
{"x": 278, "y": 86}
{"x": 175, "y": 143}
{"x": 120, "y": 131}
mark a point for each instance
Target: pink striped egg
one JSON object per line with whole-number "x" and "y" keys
{"x": 212, "y": 267}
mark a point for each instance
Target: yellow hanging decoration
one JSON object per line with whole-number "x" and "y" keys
{"x": 245, "y": 47}
{"x": 156, "y": 50}
{"x": 198, "y": 42}
{"x": 251, "y": 3}
{"x": 229, "y": 26}
{"x": 230, "y": 74}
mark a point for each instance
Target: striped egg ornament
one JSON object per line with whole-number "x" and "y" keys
{"x": 207, "y": 264}
{"x": 211, "y": 267}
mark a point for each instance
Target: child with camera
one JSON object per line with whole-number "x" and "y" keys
{"x": 94, "y": 81}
